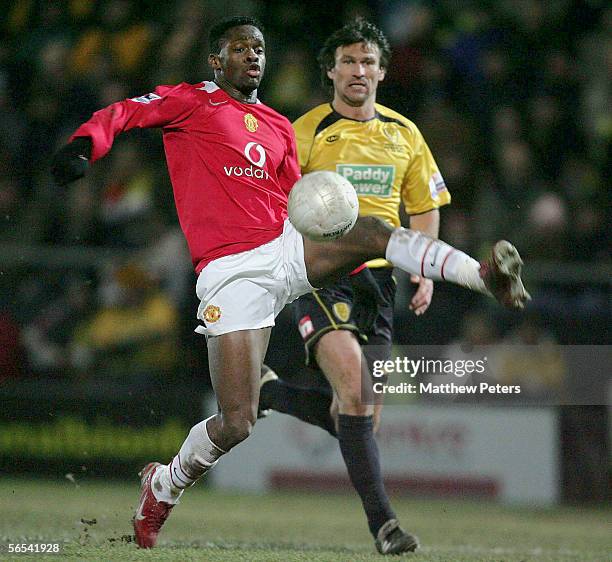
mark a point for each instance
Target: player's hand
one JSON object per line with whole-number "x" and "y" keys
{"x": 72, "y": 161}
{"x": 422, "y": 298}
{"x": 367, "y": 296}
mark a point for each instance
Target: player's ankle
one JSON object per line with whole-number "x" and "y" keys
{"x": 162, "y": 487}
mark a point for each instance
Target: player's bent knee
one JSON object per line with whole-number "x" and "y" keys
{"x": 351, "y": 404}
{"x": 375, "y": 228}
{"x": 368, "y": 239}
{"x": 370, "y": 221}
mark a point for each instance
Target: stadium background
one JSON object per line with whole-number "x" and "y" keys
{"x": 99, "y": 367}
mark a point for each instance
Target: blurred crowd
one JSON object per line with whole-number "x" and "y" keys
{"x": 513, "y": 98}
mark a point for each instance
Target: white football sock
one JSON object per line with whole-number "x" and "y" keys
{"x": 198, "y": 454}
{"x": 417, "y": 253}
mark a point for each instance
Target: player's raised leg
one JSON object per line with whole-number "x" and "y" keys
{"x": 499, "y": 276}
{"x": 235, "y": 360}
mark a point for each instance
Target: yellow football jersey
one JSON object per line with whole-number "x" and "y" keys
{"x": 385, "y": 158}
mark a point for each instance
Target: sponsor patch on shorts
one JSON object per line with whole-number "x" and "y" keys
{"x": 305, "y": 327}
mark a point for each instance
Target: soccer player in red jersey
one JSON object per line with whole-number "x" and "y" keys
{"x": 232, "y": 162}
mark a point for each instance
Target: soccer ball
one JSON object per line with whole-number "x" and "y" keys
{"x": 323, "y": 206}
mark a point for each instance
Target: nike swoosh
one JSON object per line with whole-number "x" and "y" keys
{"x": 435, "y": 256}
{"x": 139, "y": 516}
{"x": 178, "y": 477}
{"x": 217, "y": 103}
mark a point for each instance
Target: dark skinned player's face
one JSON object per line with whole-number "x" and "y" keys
{"x": 242, "y": 58}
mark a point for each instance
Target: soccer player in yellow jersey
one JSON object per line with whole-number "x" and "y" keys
{"x": 387, "y": 160}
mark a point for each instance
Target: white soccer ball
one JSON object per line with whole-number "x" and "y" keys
{"x": 323, "y": 206}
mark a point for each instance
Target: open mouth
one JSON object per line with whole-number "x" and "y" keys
{"x": 358, "y": 86}
{"x": 254, "y": 71}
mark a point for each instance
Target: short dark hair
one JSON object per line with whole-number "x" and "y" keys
{"x": 359, "y": 30}
{"x": 218, "y": 30}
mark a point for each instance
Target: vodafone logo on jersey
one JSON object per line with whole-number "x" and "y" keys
{"x": 256, "y": 155}
{"x": 253, "y": 147}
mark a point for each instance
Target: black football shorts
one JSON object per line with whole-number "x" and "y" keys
{"x": 331, "y": 308}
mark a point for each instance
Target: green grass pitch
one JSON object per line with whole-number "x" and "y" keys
{"x": 92, "y": 521}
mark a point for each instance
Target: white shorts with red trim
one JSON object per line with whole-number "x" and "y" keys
{"x": 246, "y": 291}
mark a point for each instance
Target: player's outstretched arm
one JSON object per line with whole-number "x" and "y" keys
{"x": 71, "y": 162}
{"x": 167, "y": 106}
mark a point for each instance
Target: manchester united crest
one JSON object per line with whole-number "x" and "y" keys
{"x": 342, "y": 311}
{"x": 250, "y": 122}
{"x": 211, "y": 314}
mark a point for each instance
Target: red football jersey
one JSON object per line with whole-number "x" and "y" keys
{"x": 231, "y": 164}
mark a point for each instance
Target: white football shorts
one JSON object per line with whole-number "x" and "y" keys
{"x": 246, "y": 291}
